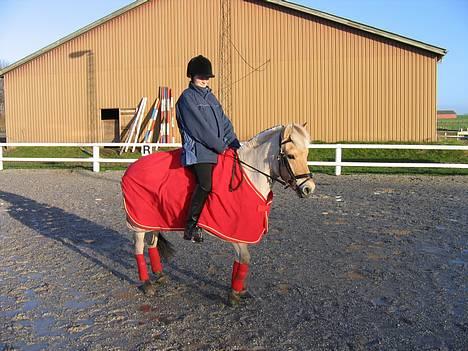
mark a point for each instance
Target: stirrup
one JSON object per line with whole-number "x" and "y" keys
{"x": 197, "y": 235}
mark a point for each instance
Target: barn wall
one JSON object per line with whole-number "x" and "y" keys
{"x": 58, "y": 95}
{"x": 348, "y": 86}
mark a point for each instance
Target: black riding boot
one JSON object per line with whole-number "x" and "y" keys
{"x": 192, "y": 231}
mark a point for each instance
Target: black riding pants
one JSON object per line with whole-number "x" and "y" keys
{"x": 203, "y": 174}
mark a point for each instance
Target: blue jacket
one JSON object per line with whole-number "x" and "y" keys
{"x": 206, "y": 131}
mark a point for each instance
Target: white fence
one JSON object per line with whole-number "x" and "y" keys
{"x": 339, "y": 163}
{"x": 96, "y": 159}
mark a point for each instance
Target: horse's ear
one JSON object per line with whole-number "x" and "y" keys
{"x": 304, "y": 124}
{"x": 287, "y": 131}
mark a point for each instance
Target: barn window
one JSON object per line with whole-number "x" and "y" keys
{"x": 109, "y": 114}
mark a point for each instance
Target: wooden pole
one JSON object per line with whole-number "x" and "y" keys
{"x": 132, "y": 128}
{"x": 139, "y": 124}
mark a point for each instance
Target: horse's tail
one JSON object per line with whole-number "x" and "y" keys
{"x": 165, "y": 248}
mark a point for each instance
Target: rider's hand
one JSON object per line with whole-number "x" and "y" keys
{"x": 234, "y": 144}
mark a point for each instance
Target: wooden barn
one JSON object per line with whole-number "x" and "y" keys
{"x": 275, "y": 62}
{"x": 446, "y": 114}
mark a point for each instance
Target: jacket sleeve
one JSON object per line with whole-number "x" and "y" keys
{"x": 196, "y": 126}
{"x": 229, "y": 134}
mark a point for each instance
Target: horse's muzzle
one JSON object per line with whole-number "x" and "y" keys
{"x": 306, "y": 190}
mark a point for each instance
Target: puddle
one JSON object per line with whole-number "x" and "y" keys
{"x": 45, "y": 326}
{"x": 457, "y": 261}
{"x": 29, "y": 305}
{"x": 6, "y": 300}
{"x": 42, "y": 326}
{"x": 9, "y": 314}
{"x": 431, "y": 249}
{"x": 30, "y": 347}
{"x": 32, "y": 301}
{"x": 79, "y": 305}
{"x": 380, "y": 301}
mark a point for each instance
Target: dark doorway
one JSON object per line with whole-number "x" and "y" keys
{"x": 110, "y": 125}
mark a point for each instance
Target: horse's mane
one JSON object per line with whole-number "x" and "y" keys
{"x": 265, "y": 135}
{"x": 261, "y": 137}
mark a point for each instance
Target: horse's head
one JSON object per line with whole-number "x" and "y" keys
{"x": 292, "y": 158}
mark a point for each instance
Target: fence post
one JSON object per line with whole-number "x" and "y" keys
{"x": 1, "y": 158}
{"x": 338, "y": 159}
{"x": 95, "y": 158}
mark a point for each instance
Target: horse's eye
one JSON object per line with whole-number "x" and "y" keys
{"x": 291, "y": 157}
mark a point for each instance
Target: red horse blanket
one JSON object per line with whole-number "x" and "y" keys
{"x": 157, "y": 191}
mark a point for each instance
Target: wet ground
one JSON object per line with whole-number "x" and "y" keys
{"x": 367, "y": 263}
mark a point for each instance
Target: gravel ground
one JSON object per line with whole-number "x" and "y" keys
{"x": 369, "y": 262}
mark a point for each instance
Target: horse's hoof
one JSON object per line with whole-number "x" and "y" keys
{"x": 148, "y": 289}
{"x": 234, "y": 298}
{"x": 161, "y": 278}
{"x": 245, "y": 294}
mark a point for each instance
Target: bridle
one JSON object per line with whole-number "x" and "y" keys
{"x": 293, "y": 178}
{"x": 283, "y": 161}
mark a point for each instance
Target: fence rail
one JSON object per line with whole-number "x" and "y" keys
{"x": 339, "y": 163}
{"x": 96, "y": 159}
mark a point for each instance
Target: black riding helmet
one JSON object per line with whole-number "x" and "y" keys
{"x": 199, "y": 66}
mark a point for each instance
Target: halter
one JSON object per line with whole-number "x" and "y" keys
{"x": 282, "y": 161}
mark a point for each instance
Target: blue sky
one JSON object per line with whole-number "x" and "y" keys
{"x": 29, "y": 25}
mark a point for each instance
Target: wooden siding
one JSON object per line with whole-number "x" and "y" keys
{"x": 346, "y": 84}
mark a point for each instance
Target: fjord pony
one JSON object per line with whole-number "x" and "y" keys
{"x": 276, "y": 154}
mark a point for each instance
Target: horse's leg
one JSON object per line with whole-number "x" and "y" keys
{"x": 139, "y": 241}
{"x": 155, "y": 259}
{"x": 240, "y": 270}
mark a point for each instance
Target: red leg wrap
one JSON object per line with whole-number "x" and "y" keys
{"x": 142, "y": 270}
{"x": 155, "y": 260}
{"x": 235, "y": 268}
{"x": 238, "y": 281}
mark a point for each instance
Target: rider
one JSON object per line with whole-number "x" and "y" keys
{"x": 206, "y": 132}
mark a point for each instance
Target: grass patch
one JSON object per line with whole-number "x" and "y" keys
{"x": 67, "y": 152}
{"x": 461, "y": 122}
{"x": 393, "y": 156}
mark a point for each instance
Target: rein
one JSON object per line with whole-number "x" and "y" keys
{"x": 238, "y": 160}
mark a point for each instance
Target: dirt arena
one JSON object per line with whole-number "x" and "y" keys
{"x": 369, "y": 262}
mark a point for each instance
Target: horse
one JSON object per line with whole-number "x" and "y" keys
{"x": 278, "y": 154}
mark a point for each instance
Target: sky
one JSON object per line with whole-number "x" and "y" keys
{"x": 29, "y": 25}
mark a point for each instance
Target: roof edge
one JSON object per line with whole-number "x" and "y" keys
{"x": 440, "y": 52}
{"x": 72, "y": 36}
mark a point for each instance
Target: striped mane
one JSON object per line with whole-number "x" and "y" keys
{"x": 262, "y": 137}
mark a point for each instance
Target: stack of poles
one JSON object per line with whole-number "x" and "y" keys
{"x": 152, "y": 122}
{"x": 136, "y": 122}
{"x": 167, "y": 118}
{"x": 164, "y": 105}
{"x": 172, "y": 115}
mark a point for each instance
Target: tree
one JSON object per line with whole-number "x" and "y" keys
{"x": 3, "y": 63}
